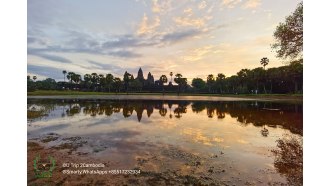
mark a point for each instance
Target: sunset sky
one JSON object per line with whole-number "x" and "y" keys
{"x": 194, "y": 38}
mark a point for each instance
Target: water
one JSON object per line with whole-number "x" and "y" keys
{"x": 172, "y": 142}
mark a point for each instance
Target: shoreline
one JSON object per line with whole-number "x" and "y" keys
{"x": 175, "y": 97}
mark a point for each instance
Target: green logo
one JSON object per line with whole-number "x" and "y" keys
{"x": 43, "y": 168}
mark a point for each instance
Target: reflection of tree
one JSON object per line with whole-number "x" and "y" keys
{"x": 127, "y": 110}
{"x": 198, "y": 107}
{"x": 163, "y": 111}
{"x": 150, "y": 110}
{"x": 180, "y": 110}
{"x": 289, "y": 159}
{"x": 210, "y": 112}
{"x": 73, "y": 109}
{"x": 264, "y": 132}
{"x": 289, "y": 116}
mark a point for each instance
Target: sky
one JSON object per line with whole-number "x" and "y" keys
{"x": 191, "y": 37}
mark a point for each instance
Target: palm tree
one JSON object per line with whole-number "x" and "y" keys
{"x": 34, "y": 78}
{"x": 117, "y": 84}
{"x": 76, "y": 78}
{"x": 95, "y": 79}
{"x": 127, "y": 79}
{"x": 180, "y": 81}
{"x": 64, "y": 73}
{"x": 87, "y": 79}
{"x": 210, "y": 81}
{"x": 264, "y": 62}
{"x": 163, "y": 79}
{"x": 109, "y": 80}
{"x": 70, "y": 76}
{"x": 220, "y": 78}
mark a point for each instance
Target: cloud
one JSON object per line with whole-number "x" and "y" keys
{"x": 198, "y": 53}
{"x": 161, "y": 6}
{"x": 147, "y": 27}
{"x": 230, "y": 3}
{"x": 188, "y": 12}
{"x": 187, "y": 21}
{"x": 202, "y": 5}
{"x": 252, "y": 4}
{"x": 47, "y": 56}
{"x": 124, "y": 54}
{"x": 46, "y": 71}
{"x": 180, "y": 36}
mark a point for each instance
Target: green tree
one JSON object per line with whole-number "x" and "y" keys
{"x": 117, "y": 84}
{"x": 178, "y": 80}
{"x": 102, "y": 81}
{"x": 95, "y": 79}
{"x": 88, "y": 80}
{"x": 163, "y": 80}
{"x": 64, "y": 73}
{"x": 289, "y": 35}
{"x": 210, "y": 81}
{"x": 264, "y": 62}
{"x": 220, "y": 81}
{"x": 243, "y": 79}
{"x": 127, "y": 79}
{"x": 69, "y": 77}
{"x": 109, "y": 80}
{"x": 136, "y": 85}
{"x": 76, "y": 78}
{"x": 296, "y": 74}
{"x": 198, "y": 83}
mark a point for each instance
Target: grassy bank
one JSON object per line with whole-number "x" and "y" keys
{"x": 55, "y": 93}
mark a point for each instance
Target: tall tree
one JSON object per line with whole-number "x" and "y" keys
{"x": 178, "y": 80}
{"x": 69, "y": 77}
{"x": 102, "y": 81}
{"x": 289, "y": 35}
{"x": 198, "y": 83}
{"x": 127, "y": 79}
{"x": 95, "y": 79}
{"x": 117, "y": 84}
{"x": 64, "y": 73}
{"x": 109, "y": 80}
{"x": 210, "y": 81}
{"x": 163, "y": 80}
{"x": 264, "y": 62}
{"x": 220, "y": 80}
{"x": 87, "y": 79}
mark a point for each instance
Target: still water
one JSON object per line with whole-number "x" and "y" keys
{"x": 172, "y": 142}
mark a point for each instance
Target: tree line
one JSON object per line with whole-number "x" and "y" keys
{"x": 285, "y": 79}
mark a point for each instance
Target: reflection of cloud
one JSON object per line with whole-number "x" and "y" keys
{"x": 242, "y": 141}
{"x": 197, "y": 136}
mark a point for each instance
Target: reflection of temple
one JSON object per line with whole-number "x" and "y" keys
{"x": 289, "y": 116}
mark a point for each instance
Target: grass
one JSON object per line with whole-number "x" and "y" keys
{"x": 70, "y": 92}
